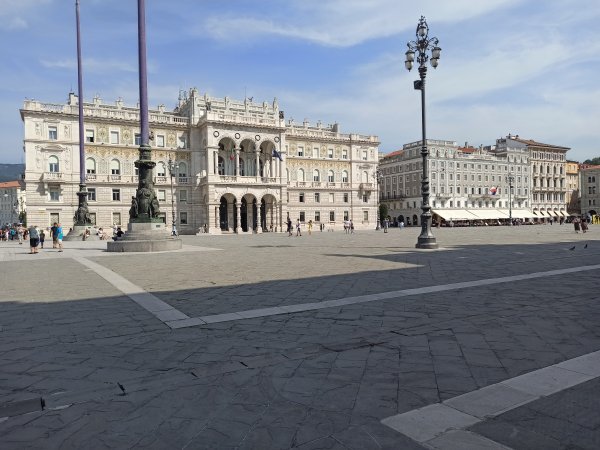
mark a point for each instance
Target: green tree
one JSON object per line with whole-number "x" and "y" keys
{"x": 594, "y": 161}
{"x": 383, "y": 211}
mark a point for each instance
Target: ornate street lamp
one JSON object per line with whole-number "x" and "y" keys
{"x": 510, "y": 179}
{"x": 421, "y": 46}
{"x": 173, "y": 167}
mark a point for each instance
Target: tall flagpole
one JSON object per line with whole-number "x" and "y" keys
{"x": 82, "y": 217}
{"x": 146, "y": 230}
{"x": 144, "y": 206}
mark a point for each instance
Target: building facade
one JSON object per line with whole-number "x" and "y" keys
{"x": 236, "y": 166}
{"x": 12, "y": 202}
{"x": 548, "y": 175}
{"x": 466, "y": 183}
{"x": 573, "y": 192}
{"x": 590, "y": 190}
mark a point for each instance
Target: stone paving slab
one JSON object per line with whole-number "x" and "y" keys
{"x": 310, "y": 379}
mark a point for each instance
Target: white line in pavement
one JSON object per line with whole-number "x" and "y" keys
{"x": 301, "y": 307}
{"x": 162, "y": 310}
{"x": 435, "y": 425}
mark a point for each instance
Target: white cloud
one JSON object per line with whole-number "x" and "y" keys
{"x": 13, "y": 13}
{"x": 95, "y": 65}
{"x": 343, "y": 23}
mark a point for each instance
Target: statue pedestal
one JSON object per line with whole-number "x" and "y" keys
{"x": 76, "y": 234}
{"x": 145, "y": 237}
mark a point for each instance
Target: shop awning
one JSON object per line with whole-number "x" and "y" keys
{"x": 562, "y": 213}
{"x": 454, "y": 214}
{"x": 488, "y": 214}
{"x": 519, "y": 213}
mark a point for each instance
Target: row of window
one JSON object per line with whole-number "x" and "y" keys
{"x": 317, "y": 176}
{"x": 161, "y": 194}
{"x": 115, "y": 167}
{"x": 317, "y": 197}
{"x": 317, "y": 216}
{"x": 115, "y": 137}
{"x": 315, "y": 153}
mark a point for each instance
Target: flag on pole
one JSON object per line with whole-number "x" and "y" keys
{"x": 276, "y": 154}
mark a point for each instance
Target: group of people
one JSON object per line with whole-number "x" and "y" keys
{"x": 290, "y": 228}
{"x": 36, "y": 236}
{"x": 348, "y": 226}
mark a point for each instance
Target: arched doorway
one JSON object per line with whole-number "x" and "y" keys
{"x": 223, "y": 216}
{"x": 268, "y": 213}
{"x": 228, "y": 213}
{"x": 400, "y": 218}
{"x": 244, "y": 214}
{"x": 248, "y": 214}
{"x": 415, "y": 220}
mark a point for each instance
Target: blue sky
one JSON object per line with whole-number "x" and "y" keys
{"x": 524, "y": 67}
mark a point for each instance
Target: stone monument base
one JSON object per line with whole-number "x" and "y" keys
{"x": 145, "y": 237}
{"x": 76, "y": 234}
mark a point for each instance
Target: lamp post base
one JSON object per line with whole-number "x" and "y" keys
{"x": 427, "y": 242}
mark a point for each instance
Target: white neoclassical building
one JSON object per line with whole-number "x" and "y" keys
{"x": 466, "y": 183}
{"x": 237, "y": 165}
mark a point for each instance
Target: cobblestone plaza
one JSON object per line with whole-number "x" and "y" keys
{"x": 329, "y": 340}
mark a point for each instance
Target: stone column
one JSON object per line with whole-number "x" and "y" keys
{"x": 258, "y": 216}
{"x": 230, "y": 213}
{"x": 257, "y": 164}
{"x": 217, "y": 219}
{"x": 238, "y": 229}
{"x": 237, "y": 162}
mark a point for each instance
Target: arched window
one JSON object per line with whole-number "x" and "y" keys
{"x": 365, "y": 177}
{"x": 182, "y": 170}
{"x": 53, "y": 164}
{"x": 301, "y": 175}
{"x": 161, "y": 169}
{"x": 90, "y": 165}
{"x": 344, "y": 176}
{"x": 115, "y": 167}
{"x": 316, "y": 175}
{"x": 330, "y": 176}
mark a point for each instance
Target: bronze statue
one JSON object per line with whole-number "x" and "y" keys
{"x": 133, "y": 211}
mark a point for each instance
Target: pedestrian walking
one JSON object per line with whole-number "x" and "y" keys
{"x": 42, "y": 238}
{"x": 20, "y": 233}
{"x": 54, "y": 235}
{"x": 351, "y": 227}
{"x": 289, "y": 226}
{"x": 298, "y": 231}
{"x": 34, "y": 239}
{"x": 386, "y": 223}
{"x": 584, "y": 226}
{"x": 576, "y": 224}
{"x": 310, "y": 224}
{"x": 59, "y": 237}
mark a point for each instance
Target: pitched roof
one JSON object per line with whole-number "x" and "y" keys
{"x": 394, "y": 153}
{"x": 533, "y": 143}
{"x": 10, "y": 184}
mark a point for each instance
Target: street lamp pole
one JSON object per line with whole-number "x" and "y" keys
{"x": 510, "y": 178}
{"x": 421, "y": 46}
{"x": 377, "y": 180}
{"x": 172, "y": 170}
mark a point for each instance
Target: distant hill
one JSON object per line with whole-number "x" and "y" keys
{"x": 11, "y": 172}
